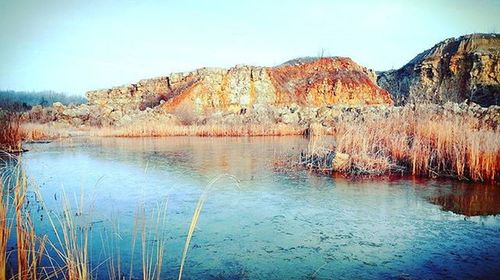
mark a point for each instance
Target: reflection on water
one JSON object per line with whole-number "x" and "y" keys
{"x": 279, "y": 222}
{"x": 468, "y": 199}
{"x": 243, "y": 157}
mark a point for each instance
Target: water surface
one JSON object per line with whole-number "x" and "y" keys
{"x": 276, "y": 222}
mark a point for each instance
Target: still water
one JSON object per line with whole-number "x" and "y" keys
{"x": 274, "y": 222}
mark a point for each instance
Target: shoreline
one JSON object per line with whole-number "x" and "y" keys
{"x": 430, "y": 140}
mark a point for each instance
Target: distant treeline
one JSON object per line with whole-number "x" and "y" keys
{"x": 23, "y": 100}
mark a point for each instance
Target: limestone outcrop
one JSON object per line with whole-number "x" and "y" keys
{"x": 311, "y": 83}
{"x": 457, "y": 69}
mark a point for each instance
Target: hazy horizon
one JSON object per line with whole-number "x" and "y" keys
{"x": 75, "y": 47}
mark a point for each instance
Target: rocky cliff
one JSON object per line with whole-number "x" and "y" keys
{"x": 453, "y": 70}
{"x": 306, "y": 83}
{"x": 299, "y": 91}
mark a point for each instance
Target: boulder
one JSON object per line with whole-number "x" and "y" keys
{"x": 341, "y": 161}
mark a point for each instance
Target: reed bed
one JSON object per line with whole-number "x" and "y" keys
{"x": 420, "y": 142}
{"x": 154, "y": 129}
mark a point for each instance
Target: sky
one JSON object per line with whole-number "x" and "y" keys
{"x": 75, "y": 46}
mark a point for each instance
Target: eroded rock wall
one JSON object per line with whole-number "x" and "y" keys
{"x": 453, "y": 70}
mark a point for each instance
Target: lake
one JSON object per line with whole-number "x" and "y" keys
{"x": 266, "y": 218}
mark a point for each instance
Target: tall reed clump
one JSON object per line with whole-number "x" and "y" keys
{"x": 419, "y": 141}
{"x": 29, "y": 247}
{"x": 5, "y": 229}
{"x": 10, "y": 134}
{"x": 152, "y": 256}
{"x": 152, "y": 253}
{"x": 72, "y": 241}
{"x": 110, "y": 240}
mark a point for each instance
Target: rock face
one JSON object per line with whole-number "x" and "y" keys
{"x": 453, "y": 70}
{"x": 306, "y": 83}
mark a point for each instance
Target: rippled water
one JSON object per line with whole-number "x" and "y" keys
{"x": 277, "y": 222}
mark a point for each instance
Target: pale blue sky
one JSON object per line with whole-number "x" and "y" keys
{"x": 75, "y": 46}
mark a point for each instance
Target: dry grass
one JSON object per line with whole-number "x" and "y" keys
{"x": 30, "y": 248}
{"x": 196, "y": 216}
{"x": 70, "y": 246}
{"x": 48, "y": 131}
{"x": 152, "y": 254}
{"x": 152, "y": 129}
{"x": 10, "y": 134}
{"x": 38, "y": 131}
{"x": 421, "y": 142}
{"x": 112, "y": 251}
